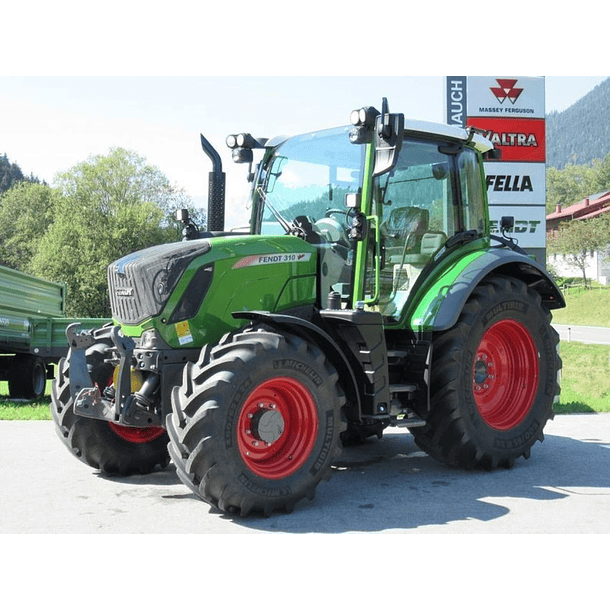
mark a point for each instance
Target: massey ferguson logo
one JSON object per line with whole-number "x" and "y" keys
{"x": 506, "y": 90}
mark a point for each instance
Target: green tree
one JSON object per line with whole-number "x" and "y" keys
{"x": 110, "y": 205}
{"x": 601, "y": 175}
{"x": 10, "y": 173}
{"x": 576, "y": 240}
{"x": 567, "y": 186}
{"x": 573, "y": 183}
{"x": 26, "y": 210}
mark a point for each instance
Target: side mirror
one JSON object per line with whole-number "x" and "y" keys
{"x": 507, "y": 223}
{"x": 182, "y": 215}
{"x": 388, "y": 136}
{"x": 495, "y": 154}
{"x": 352, "y": 201}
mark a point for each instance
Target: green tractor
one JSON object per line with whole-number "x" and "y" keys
{"x": 367, "y": 292}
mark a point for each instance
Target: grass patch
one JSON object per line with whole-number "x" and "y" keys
{"x": 9, "y": 410}
{"x": 24, "y": 409}
{"x": 585, "y": 307}
{"x": 585, "y": 379}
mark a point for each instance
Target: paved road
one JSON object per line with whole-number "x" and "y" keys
{"x": 584, "y": 334}
{"x": 385, "y": 486}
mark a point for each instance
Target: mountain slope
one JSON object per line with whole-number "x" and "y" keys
{"x": 580, "y": 133}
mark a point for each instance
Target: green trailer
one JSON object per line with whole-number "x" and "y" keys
{"x": 32, "y": 331}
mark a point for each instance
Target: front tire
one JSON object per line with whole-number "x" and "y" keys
{"x": 256, "y": 423}
{"x": 113, "y": 449}
{"x": 494, "y": 379}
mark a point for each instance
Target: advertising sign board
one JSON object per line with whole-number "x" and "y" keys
{"x": 518, "y": 139}
{"x": 516, "y": 97}
{"x": 511, "y": 112}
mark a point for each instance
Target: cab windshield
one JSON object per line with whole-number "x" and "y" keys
{"x": 309, "y": 175}
{"x": 302, "y": 189}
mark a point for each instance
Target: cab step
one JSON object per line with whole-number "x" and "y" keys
{"x": 402, "y": 388}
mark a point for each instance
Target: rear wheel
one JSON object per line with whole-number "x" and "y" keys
{"x": 494, "y": 379}
{"x": 255, "y": 425}
{"x": 27, "y": 377}
{"x": 113, "y": 449}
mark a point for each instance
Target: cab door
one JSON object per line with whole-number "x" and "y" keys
{"x": 413, "y": 211}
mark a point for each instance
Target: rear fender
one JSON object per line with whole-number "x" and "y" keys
{"x": 440, "y": 308}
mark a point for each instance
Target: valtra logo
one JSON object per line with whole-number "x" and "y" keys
{"x": 506, "y": 90}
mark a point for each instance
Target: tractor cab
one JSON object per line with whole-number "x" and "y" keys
{"x": 378, "y": 215}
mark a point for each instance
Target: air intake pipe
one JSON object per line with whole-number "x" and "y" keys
{"x": 216, "y": 189}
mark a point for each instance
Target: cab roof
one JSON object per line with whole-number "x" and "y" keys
{"x": 421, "y": 128}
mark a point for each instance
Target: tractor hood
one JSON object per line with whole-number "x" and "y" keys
{"x": 141, "y": 283}
{"x": 188, "y": 291}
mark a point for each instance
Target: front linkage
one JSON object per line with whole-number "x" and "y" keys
{"x": 115, "y": 403}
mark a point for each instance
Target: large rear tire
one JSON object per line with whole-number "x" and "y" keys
{"x": 256, "y": 423}
{"x": 494, "y": 379}
{"x": 113, "y": 449}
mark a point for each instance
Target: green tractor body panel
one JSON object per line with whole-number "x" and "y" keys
{"x": 441, "y": 299}
{"x": 422, "y": 313}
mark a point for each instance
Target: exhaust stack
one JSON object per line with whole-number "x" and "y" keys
{"x": 216, "y": 189}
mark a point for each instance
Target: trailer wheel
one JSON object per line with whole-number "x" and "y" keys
{"x": 494, "y": 379}
{"x": 113, "y": 449}
{"x": 256, "y": 423}
{"x": 27, "y": 377}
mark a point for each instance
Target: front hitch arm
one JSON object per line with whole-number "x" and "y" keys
{"x": 79, "y": 343}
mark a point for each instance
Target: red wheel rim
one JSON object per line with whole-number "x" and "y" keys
{"x": 277, "y": 428}
{"x": 137, "y": 435}
{"x": 505, "y": 374}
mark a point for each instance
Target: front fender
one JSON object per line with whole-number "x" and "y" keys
{"x": 443, "y": 301}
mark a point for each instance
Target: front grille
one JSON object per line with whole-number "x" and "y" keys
{"x": 140, "y": 283}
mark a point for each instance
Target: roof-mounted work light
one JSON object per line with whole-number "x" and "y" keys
{"x": 363, "y": 120}
{"x": 242, "y": 144}
{"x": 244, "y": 140}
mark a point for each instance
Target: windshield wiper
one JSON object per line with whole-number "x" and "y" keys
{"x": 290, "y": 228}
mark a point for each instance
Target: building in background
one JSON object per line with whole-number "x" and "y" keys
{"x": 598, "y": 263}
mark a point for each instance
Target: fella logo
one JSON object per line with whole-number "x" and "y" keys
{"x": 506, "y": 90}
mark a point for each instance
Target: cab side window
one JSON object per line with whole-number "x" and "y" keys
{"x": 473, "y": 195}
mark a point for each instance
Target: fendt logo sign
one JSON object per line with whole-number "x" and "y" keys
{"x": 506, "y": 90}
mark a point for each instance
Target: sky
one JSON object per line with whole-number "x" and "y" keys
{"x": 51, "y": 123}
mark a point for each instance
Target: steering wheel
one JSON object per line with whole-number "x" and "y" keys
{"x": 330, "y": 229}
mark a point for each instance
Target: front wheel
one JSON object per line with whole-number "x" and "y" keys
{"x": 111, "y": 448}
{"x": 494, "y": 378}
{"x": 256, "y": 423}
